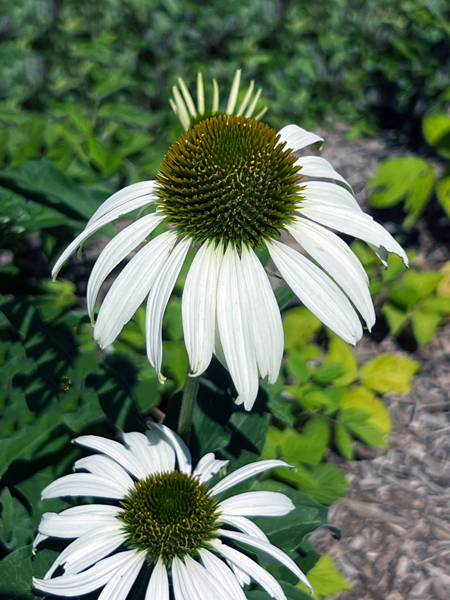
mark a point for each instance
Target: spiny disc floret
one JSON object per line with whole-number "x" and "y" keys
{"x": 168, "y": 515}
{"x": 228, "y": 180}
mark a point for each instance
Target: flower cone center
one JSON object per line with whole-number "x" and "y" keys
{"x": 227, "y": 179}
{"x": 168, "y": 515}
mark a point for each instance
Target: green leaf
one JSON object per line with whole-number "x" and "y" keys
{"x": 329, "y": 372}
{"x": 424, "y": 325}
{"x": 283, "y": 295}
{"x": 389, "y": 373}
{"x": 395, "y": 317}
{"x": 436, "y": 130}
{"x": 443, "y": 194}
{"x": 329, "y": 486}
{"x": 326, "y": 579}
{"x": 15, "y": 522}
{"x": 344, "y": 441}
{"x": 405, "y": 178}
{"x": 299, "y": 326}
{"x": 297, "y": 366}
{"x": 308, "y": 446}
{"x": 18, "y": 569}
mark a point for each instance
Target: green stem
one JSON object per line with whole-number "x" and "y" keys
{"x": 187, "y": 407}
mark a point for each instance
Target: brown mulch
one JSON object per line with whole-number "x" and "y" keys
{"x": 395, "y": 519}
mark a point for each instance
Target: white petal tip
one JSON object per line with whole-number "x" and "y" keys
{"x": 161, "y": 378}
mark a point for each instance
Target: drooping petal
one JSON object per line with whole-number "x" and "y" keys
{"x": 105, "y": 467}
{"x": 352, "y": 222}
{"x": 333, "y": 255}
{"x": 244, "y": 525}
{"x": 246, "y": 99}
{"x": 265, "y": 318}
{"x": 297, "y": 138}
{"x": 208, "y": 466}
{"x": 199, "y": 307}
{"x": 234, "y": 328}
{"x": 182, "y": 585}
{"x": 181, "y": 111}
{"x": 316, "y": 166}
{"x": 281, "y": 556}
{"x": 249, "y": 566}
{"x": 88, "y": 581}
{"x": 187, "y": 97}
{"x": 257, "y": 504}
{"x": 85, "y": 484}
{"x": 158, "y": 586}
{"x": 181, "y": 450}
{"x": 118, "y": 249}
{"x": 78, "y": 520}
{"x": 122, "y": 198}
{"x": 246, "y": 472}
{"x": 88, "y": 549}
{"x": 317, "y": 291}
{"x": 131, "y": 287}
{"x": 222, "y": 573}
{"x": 96, "y": 224}
{"x": 206, "y": 585}
{"x": 250, "y": 110}
{"x": 157, "y": 301}
{"x": 123, "y": 579}
{"x": 114, "y": 450}
{"x": 324, "y": 192}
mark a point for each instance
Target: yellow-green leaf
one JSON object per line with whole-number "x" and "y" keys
{"x": 340, "y": 352}
{"x": 443, "y": 289}
{"x": 443, "y": 194}
{"x": 424, "y": 325}
{"x": 389, "y": 373}
{"x": 299, "y": 326}
{"x": 359, "y": 397}
{"x": 325, "y": 578}
{"x": 436, "y": 130}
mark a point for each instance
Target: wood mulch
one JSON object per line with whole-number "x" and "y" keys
{"x": 395, "y": 519}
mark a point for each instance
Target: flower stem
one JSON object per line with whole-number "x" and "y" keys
{"x": 187, "y": 407}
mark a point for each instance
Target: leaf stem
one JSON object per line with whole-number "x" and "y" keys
{"x": 187, "y": 408}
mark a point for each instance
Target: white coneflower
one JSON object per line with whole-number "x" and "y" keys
{"x": 165, "y": 519}
{"x": 228, "y": 186}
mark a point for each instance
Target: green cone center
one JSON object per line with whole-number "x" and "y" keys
{"x": 227, "y": 179}
{"x": 168, "y": 515}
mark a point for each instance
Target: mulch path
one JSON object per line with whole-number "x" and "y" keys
{"x": 395, "y": 519}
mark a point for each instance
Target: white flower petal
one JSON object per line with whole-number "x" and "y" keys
{"x": 336, "y": 258}
{"x": 246, "y": 99}
{"x": 123, "y": 197}
{"x": 98, "y": 223}
{"x": 208, "y": 466}
{"x": 222, "y": 573}
{"x": 297, "y": 138}
{"x": 265, "y": 318}
{"x": 147, "y": 454}
{"x": 85, "y": 484}
{"x": 234, "y": 327}
{"x": 315, "y": 166}
{"x": 105, "y": 467}
{"x": 257, "y": 504}
{"x": 118, "y": 249}
{"x": 123, "y": 579}
{"x": 317, "y": 291}
{"x": 182, "y": 112}
{"x": 253, "y": 103}
{"x": 183, "y": 587}
{"x": 234, "y": 93}
{"x": 323, "y": 192}
{"x": 131, "y": 287}
{"x": 199, "y": 307}
{"x": 78, "y": 520}
{"x": 382, "y": 253}
{"x": 88, "y": 549}
{"x": 249, "y": 566}
{"x": 39, "y": 538}
{"x": 163, "y": 449}
{"x": 87, "y": 581}
{"x": 206, "y": 585}
{"x": 351, "y": 222}
{"x": 281, "y": 556}
{"x": 246, "y": 472}
{"x": 157, "y": 301}
{"x": 181, "y": 450}
{"x": 244, "y": 525}
{"x": 158, "y": 586}
{"x": 187, "y": 97}
{"x": 114, "y": 450}
{"x": 200, "y": 94}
